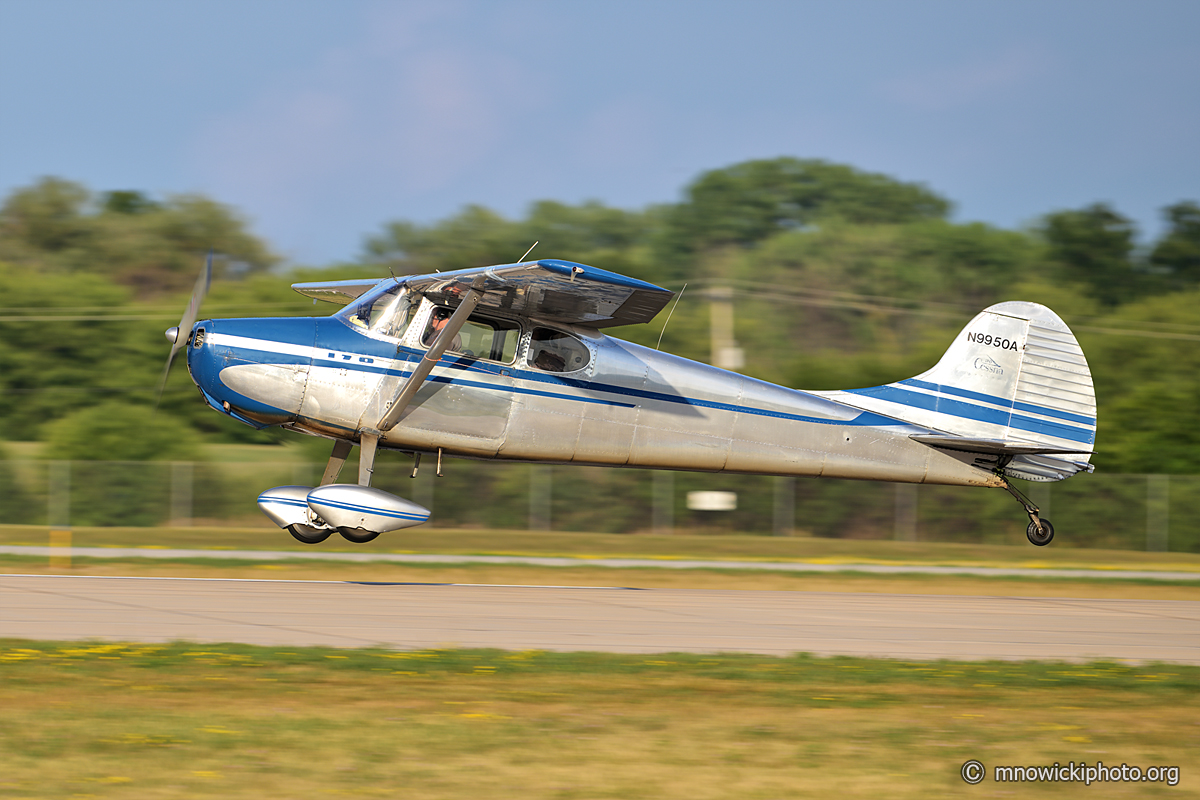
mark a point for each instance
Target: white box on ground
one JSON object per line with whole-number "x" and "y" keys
{"x": 712, "y": 501}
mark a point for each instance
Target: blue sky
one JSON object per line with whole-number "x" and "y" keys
{"x": 320, "y": 121}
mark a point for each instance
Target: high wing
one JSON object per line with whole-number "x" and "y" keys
{"x": 551, "y": 290}
{"x": 341, "y": 292}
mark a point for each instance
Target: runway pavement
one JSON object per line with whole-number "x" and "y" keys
{"x": 417, "y": 616}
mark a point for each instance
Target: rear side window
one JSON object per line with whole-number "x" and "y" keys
{"x": 555, "y": 351}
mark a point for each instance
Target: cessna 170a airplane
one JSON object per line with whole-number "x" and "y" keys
{"x": 510, "y": 363}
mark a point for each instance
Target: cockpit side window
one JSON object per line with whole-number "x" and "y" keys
{"x": 481, "y": 337}
{"x": 555, "y": 351}
{"x": 386, "y": 312}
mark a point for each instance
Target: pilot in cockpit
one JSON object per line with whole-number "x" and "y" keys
{"x": 437, "y": 321}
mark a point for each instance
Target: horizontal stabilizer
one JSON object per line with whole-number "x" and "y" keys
{"x": 1003, "y": 447}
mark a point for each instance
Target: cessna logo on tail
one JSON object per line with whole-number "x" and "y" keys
{"x": 988, "y": 365}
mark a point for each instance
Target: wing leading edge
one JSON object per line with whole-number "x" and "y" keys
{"x": 341, "y": 292}
{"x": 550, "y": 290}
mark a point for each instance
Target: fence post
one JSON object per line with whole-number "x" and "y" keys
{"x": 785, "y": 506}
{"x": 539, "y": 497}
{"x": 906, "y": 512}
{"x": 422, "y": 493}
{"x": 302, "y": 472}
{"x": 58, "y": 512}
{"x": 663, "y": 502}
{"x": 181, "y": 494}
{"x": 1158, "y": 511}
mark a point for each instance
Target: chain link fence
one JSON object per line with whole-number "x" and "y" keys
{"x": 1130, "y": 512}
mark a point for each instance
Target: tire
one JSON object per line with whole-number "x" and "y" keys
{"x": 1041, "y": 537}
{"x": 357, "y": 535}
{"x": 309, "y": 535}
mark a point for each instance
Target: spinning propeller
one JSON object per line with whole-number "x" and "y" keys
{"x": 178, "y": 336}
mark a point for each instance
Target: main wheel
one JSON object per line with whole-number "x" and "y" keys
{"x": 309, "y": 535}
{"x": 1040, "y": 536}
{"x": 357, "y": 535}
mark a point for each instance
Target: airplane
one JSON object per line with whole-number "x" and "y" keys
{"x": 511, "y": 363}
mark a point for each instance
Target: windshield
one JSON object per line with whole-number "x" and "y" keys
{"x": 385, "y": 310}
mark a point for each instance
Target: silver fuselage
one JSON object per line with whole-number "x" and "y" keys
{"x": 630, "y": 406}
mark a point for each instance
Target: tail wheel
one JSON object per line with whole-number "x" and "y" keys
{"x": 357, "y": 535}
{"x": 1042, "y": 535}
{"x": 309, "y": 535}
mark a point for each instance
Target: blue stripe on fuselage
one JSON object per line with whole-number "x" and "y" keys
{"x": 333, "y": 336}
{"x": 465, "y": 364}
{"x": 964, "y": 410}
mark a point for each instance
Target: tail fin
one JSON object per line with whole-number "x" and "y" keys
{"x": 1015, "y": 382}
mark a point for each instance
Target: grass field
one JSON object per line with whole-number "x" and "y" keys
{"x": 182, "y": 721}
{"x": 604, "y": 576}
{"x": 174, "y": 721}
{"x": 747, "y": 548}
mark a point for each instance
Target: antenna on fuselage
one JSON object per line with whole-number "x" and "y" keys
{"x": 678, "y": 297}
{"x": 527, "y": 252}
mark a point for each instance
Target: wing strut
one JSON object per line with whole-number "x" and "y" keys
{"x": 408, "y": 391}
{"x": 341, "y": 449}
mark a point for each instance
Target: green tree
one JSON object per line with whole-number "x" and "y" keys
{"x": 1147, "y": 387}
{"x": 56, "y": 352}
{"x": 47, "y": 217}
{"x": 128, "y": 202}
{"x": 474, "y": 237}
{"x": 119, "y": 431}
{"x": 1179, "y": 249}
{"x": 152, "y": 247}
{"x": 1094, "y": 246}
{"x": 111, "y": 493}
{"x": 749, "y": 202}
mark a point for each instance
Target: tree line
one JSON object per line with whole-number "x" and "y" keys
{"x": 842, "y": 278}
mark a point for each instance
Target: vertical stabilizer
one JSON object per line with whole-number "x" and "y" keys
{"x": 1015, "y": 374}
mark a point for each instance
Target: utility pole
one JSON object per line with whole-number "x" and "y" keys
{"x": 724, "y": 351}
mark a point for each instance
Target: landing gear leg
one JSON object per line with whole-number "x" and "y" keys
{"x": 366, "y": 456}
{"x": 1040, "y": 531}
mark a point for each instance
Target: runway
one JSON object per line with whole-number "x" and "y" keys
{"x": 419, "y": 616}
